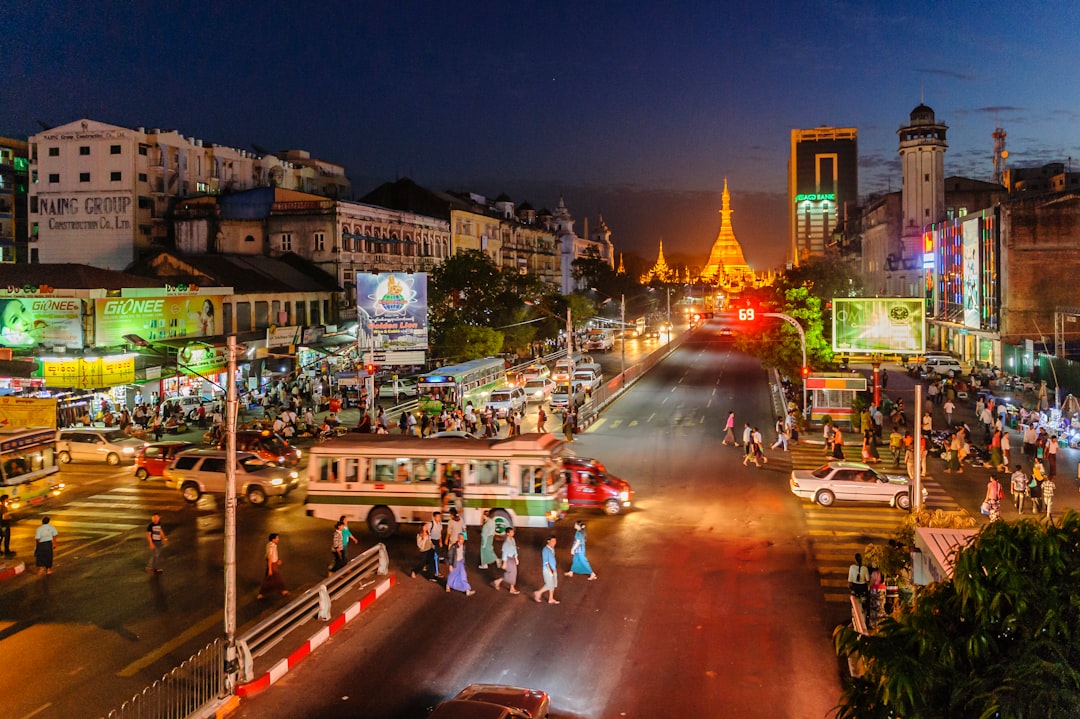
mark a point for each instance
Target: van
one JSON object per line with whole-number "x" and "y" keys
{"x": 560, "y": 397}
{"x": 111, "y": 446}
{"x": 942, "y": 366}
{"x": 202, "y": 471}
{"x": 508, "y": 401}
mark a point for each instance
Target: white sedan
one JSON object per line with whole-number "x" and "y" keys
{"x": 851, "y": 481}
{"x": 538, "y": 389}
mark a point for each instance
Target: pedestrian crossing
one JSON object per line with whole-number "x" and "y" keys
{"x": 97, "y": 519}
{"x": 836, "y": 533}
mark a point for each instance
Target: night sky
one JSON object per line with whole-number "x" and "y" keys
{"x": 637, "y": 110}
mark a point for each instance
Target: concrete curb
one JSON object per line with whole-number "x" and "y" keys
{"x": 11, "y": 569}
{"x": 314, "y": 641}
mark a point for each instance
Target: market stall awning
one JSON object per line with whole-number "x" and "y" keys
{"x": 937, "y": 552}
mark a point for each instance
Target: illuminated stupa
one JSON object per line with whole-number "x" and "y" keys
{"x": 726, "y": 262}
{"x": 660, "y": 271}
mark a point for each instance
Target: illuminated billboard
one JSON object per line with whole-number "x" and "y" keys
{"x": 879, "y": 325}
{"x": 155, "y": 318}
{"x": 972, "y": 283}
{"x": 32, "y": 321}
{"x": 396, "y": 308}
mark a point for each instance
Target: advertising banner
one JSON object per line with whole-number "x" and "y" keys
{"x": 18, "y": 412}
{"x": 282, "y": 336}
{"x": 396, "y": 308}
{"x": 879, "y": 325}
{"x": 155, "y": 318}
{"x": 972, "y": 284}
{"x": 88, "y": 373}
{"x": 196, "y": 360}
{"x": 32, "y": 321}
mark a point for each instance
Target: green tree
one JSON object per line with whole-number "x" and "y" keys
{"x": 462, "y": 342}
{"x": 999, "y": 639}
{"x": 775, "y": 342}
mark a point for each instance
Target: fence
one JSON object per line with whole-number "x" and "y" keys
{"x": 188, "y": 688}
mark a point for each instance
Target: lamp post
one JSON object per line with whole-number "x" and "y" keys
{"x": 231, "y": 404}
{"x": 802, "y": 343}
{"x": 622, "y": 338}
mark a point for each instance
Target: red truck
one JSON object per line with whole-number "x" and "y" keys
{"x": 589, "y": 486}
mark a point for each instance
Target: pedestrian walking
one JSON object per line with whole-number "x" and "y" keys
{"x": 456, "y": 577}
{"x": 837, "y": 444}
{"x": 949, "y": 408}
{"x": 1048, "y": 489}
{"x": 896, "y": 445}
{"x": 1018, "y": 485}
{"x": 579, "y": 563}
{"x": 884, "y": 378}
{"x": 568, "y": 425}
{"x": 487, "y": 541}
{"x": 729, "y": 429}
{"x": 549, "y": 572}
{"x": 5, "y": 526}
{"x": 992, "y": 503}
{"x": 435, "y": 529}
{"x": 455, "y": 527}
{"x": 45, "y": 545}
{"x": 1051, "y": 457}
{"x": 541, "y": 418}
{"x": 781, "y": 434}
{"x": 747, "y": 438}
{"x": 155, "y": 536}
{"x": 858, "y": 577}
{"x": 426, "y": 549}
{"x": 272, "y": 581}
{"x": 346, "y": 537}
{"x": 509, "y": 562}
{"x": 337, "y": 547}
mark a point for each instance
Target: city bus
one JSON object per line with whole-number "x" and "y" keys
{"x": 28, "y": 466}
{"x": 460, "y": 384}
{"x": 387, "y": 480}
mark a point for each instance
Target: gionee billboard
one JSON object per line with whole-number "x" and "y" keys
{"x": 879, "y": 325}
{"x": 155, "y": 318}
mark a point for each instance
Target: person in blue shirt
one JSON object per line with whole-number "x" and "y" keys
{"x": 551, "y": 576}
{"x": 46, "y": 543}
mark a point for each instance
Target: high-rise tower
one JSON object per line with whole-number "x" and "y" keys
{"x": 726, "y": 261}
{"x": 823, "y": 175}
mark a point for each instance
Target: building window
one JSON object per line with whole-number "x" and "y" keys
{"x": 963, "y": 212}
{"x": 84, "y": 177}
{"x": 142, "y": 177}
{"x": 249, "y": 238}
{"x": 114, "y": 149}
{"x": 142, "y": 150}
{"x": 54, "y": 177}
{"x": 54, "y": 152}
{"x": 84, "y": 149}
{"x": 926, "y": 177}
{"x": 145, "y": 203}
{"x": 114, "y": 177}
{"x": 34, "y": 177}
{"x": 320, "y": 241}
{"x": 286, "y": 242}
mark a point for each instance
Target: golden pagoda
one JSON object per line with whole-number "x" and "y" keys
{"x": 727, "y": 265}
{"x": 660, "y": 271}
{"x": 622, "y": 269}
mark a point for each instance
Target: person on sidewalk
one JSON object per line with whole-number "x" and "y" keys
{"x": 155, "y": 536}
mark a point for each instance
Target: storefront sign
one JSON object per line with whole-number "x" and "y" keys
{"x": 396, "y": 308}
{"x": 876, "y": 325}
{"x": 282, "y": 336}
{"x": 88, "y": 372}
{"x": 16, "y": 412}
{"x": 87, "y": 212}
{"x": 972, "y": 279}
{"x": 201, "y": 360}
{"x": 816, "y": 197}
{"x": 32, "y": 321}
{"x": 155, "y": 318}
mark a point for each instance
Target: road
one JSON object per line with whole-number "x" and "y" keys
{"x": 707, "y": 598}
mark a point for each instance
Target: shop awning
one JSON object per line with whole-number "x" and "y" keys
{"x": 938, "y": 547}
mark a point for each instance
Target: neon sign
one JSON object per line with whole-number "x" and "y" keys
{"x": 816, "y": 197}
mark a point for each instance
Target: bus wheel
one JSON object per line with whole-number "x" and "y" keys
{"x": 502, "y": 521}
{"x": 382, "y": 523}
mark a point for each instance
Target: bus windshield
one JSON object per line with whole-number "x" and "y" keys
{"x": 456, "y": 386}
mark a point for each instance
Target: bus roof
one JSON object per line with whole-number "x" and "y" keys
{"x": 530, "y": 443}
{"x": 16, "y": 438}
{"x": 467, "y": 366}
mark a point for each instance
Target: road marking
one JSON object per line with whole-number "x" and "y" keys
{"x": 651, "y": 417}
{"x": 595, "y": 424}
{"x": 633, "y": 423}
{"x": 139, "y": 664}
{"x": 37, "y": 711}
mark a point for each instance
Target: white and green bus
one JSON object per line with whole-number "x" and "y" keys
{"x": 387, "y": 480}
{"x": 458, "y": 385}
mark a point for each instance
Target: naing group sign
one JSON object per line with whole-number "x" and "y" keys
{"x": 879, "y": 325}
{"x": 396, "y": 307}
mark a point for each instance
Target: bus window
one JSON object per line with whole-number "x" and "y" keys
{"x": 352, "y": 470}
{"x": 532, "y": 479}
{"x": 423, "y": 470}
{"x": 326, "y": 470}
{"x": 486, "y": 472}
{"x": 384, "y": 470}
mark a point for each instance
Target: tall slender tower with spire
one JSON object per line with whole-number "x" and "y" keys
{"x": 726, "y": 262}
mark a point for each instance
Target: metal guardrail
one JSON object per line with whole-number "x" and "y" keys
{"x": 312, "y": 604}
{"x": 185, "y": 691}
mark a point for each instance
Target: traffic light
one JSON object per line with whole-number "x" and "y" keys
{"x": 370, "y": 369}
{"x": 805, "y": 372}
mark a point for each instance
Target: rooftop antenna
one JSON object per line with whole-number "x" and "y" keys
{"x": 1000, "y": 154}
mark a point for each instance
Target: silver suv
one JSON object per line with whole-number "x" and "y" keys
{"x": 202, "y": 471}
{"x": 111, "y": 446}
{"x": 503, "y": 402}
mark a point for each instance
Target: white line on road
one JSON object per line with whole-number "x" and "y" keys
{"x": 650, "y": 417}
{"x": 37, "y": 711}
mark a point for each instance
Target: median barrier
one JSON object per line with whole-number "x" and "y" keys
{"x": 367, "y": 574}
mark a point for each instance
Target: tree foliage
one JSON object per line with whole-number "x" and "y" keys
{"x": 462, "y": 342}
{"x": 1000, "y": 639}
{"x": 774, "y": 341}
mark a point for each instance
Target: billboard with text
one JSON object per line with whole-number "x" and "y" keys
{"x": 878, "y": 325}
{"x": 32, "y": 321}
{"x": 396, "y": 307}
{"x": 155, "y": 318}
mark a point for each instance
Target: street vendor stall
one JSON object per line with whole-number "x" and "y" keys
{"x": 936, "y": 553}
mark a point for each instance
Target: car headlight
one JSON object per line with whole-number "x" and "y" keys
{"x": 129, "y": 450}
{"x": 624, "y": 496}
{"x": 276, "y": 481}
{"x": 293, "y": 475}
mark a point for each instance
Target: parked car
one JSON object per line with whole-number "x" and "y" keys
{"x": 188, "y": 404}
{"x": 589, "y": 486}
{"x": 111, "y": 446}
{"x": 152, "y": 459}
{"x": 202, "y": 471}
{"x": 494, "y": 701}
{"x": 538, "y": 389}
{"x": 851, "y": 481}
{"x": 939, "y": 366}
{"x": 398, "y": 388}
{"x": 269, "y": 446}
{"x": 504, "y": 402}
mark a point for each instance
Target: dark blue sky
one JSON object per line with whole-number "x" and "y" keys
{"x": 635, "y": 109}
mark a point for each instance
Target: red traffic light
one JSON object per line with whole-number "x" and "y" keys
{"x": 805, "y": 372}
{"x": 370, "y": 369}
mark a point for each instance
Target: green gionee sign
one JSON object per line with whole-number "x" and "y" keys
{"x": 819, "y": 197}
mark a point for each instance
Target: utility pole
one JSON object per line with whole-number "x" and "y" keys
{"x": 802, "y": 342}
{"x": 231, "y": 664}
{"x": 622, "y": 337}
